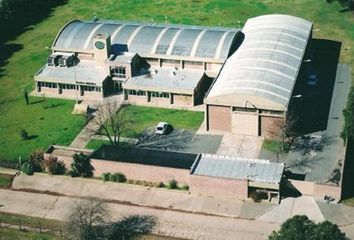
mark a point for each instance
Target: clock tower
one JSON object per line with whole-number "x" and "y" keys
{"x": 102, "y": 48}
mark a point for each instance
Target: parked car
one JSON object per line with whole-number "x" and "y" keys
{"x": 161, "y": 128}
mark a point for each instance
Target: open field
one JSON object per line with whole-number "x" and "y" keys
{"x": 28, "y": 53}
{"x": 11, "y": 234}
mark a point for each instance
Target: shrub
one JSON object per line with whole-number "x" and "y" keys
{"x": 138, "y": 182}
{"x": 185, "y": 187}
{"x": 258, "y": 196}
{"x": 81, "y": 166}
{"x": 112, "y": 178}
{"x": 24, "y": 134}
{"x": 105, "y": 177}
{"x": 37, "y": 161}
{"x": 130, "y": 181}
{"x": 145, "y": 183}
{"x": 173, "y": 184}
{"x": 54, "y": 166}
{"x": 120, "y": 177}
{"x": 27, "y": 168}
{"x": 160, "y": 185}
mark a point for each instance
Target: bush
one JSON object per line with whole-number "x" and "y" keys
{"x": 130, "y": 181}
{"x": 117, "y": 177}
{"x": 173, "y": 184}
{"x": 81, "y": 166}
{"x": 258, "y": 196}
{"x": 24, "y": 134}
{"x": 27, "y": 168}
{"x": 37, "y": 161}
{"x": 105, "y": 177}
{"x": 185, "y": 187}
{"x": 54, "y": 166}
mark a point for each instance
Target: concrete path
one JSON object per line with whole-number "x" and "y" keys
{"x": 83, "y": 138}
{"x": 290, "y": 207}
{"x": 240, "y": 145}
{"x": 129, "y": 194}
{"x": 169, "y": 223}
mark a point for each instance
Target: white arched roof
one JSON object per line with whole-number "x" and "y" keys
{"x": 265, "y": 67}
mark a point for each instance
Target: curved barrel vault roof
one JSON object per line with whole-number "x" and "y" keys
{"x": 148, "y": 39}
{"x": 264, "y": 69}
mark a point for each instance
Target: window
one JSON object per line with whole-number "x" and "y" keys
{"x": 160, "y": 94}
{"x": 118, "y": 72}
{"x": 137, "y": 92}
{"x": 68, "y": 86}
{"x": 47, "y": 85}
{"x": 91, "y": 89}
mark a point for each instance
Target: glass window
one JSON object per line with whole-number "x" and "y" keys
{"x": 119, "y": 72}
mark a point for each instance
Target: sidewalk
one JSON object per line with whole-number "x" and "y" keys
{"x": 175, "y": 200}
{"x": 169, "y": 223}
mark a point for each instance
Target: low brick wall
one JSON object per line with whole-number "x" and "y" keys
{"x": 220, "y": 187}
{"x": 141, "y": 172}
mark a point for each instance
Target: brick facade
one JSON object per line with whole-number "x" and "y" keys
{"x": 219, "y": 118}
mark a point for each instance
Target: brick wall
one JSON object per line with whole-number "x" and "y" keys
{"x": 269, "y": 125}
{"x": 219, "y": 118}
{"x": 220, "y": 187}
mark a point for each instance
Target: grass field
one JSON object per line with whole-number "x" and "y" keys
{"x": 11, "y": 234}
{"x": 141, "y": 118}
{"x": 96, "y": 144}
{"x": 58, "y": 125}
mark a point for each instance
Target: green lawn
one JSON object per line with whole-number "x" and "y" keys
{"x": 141, "y": 118}
{"x": 47, "y": 121}
{"x": 348, "y": 201}
{"x": 12, "y": 234}
{"x": 96, "y": 144}
{"x": 59, "y": 126}
{"x": 275, "y": 146}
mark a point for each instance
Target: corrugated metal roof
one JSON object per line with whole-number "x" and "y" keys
{"x": 256, "y": 170}
{"x": 149, "y": 38}
{"x": 266, "y": 64}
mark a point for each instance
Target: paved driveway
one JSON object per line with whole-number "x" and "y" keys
{"x": 240, "y": 145}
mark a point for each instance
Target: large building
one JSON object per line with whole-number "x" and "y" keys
{"x": 245, "y": 78}
{"x": 150, "y": 63}
{"x": 254, "y": 89}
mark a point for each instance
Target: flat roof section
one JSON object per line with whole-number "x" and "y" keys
{"x": 84, "y": 72}
{"x": 256, "y": 170}
{"x": 145, "y": 157}
{"x": 166, "y": 80}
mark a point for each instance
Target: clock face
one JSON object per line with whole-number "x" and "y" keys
{"x": 99, "y": 45}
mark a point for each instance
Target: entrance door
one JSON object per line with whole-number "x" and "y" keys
{"x": 117, "y": 86}
{"x": 245, "y": 123}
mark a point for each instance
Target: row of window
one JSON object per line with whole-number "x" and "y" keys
{"x": 47, "y": 85}
{"x": 152, "y": 94}
{"x": 69, "y": 87}
{"x": 90, "y": 89}
{"x": 137, "y": 92}
{"x": 118, "y": 72}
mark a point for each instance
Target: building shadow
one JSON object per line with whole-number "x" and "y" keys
{"x": 348, "y": 172}
{"x": 18, "y": 17}
{"x": 313, "y": 105}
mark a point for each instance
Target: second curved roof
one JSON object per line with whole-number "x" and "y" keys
{"x": 266, "y": 64}
{"x": 148, "y": 39}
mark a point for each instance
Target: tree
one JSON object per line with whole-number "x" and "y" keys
{"x": 328, "y": 231}
{"x": 112, "y": 120}
{"x": 54, "y": 166}
{"x": 302, "y": 228}
{"x": 24, "y": 134}
{"x": 37, "y": 160}
{"x": 88, "y": 219}
{"x": 81, "y": 166}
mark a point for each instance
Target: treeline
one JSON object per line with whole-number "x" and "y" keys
{"x": 16, "y": 15}
{"x": 348, "y": 130}
{"x": 347, "y": 4}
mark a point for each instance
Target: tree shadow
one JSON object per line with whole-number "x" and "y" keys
{"x": 132, "y": 226}
{"x": 54, "y": 105}
{"x": 20, "y": 16}
{"x": 314, "y": 104}
{"x": 36, "y": 102}
{"x": 308, "y": 144}
{"x": 31, "y": 137}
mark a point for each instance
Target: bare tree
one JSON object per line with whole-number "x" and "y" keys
{"x": 111, "y": 120}
{"x": 88, "y": 219}
{"x": 282, "y": 131}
